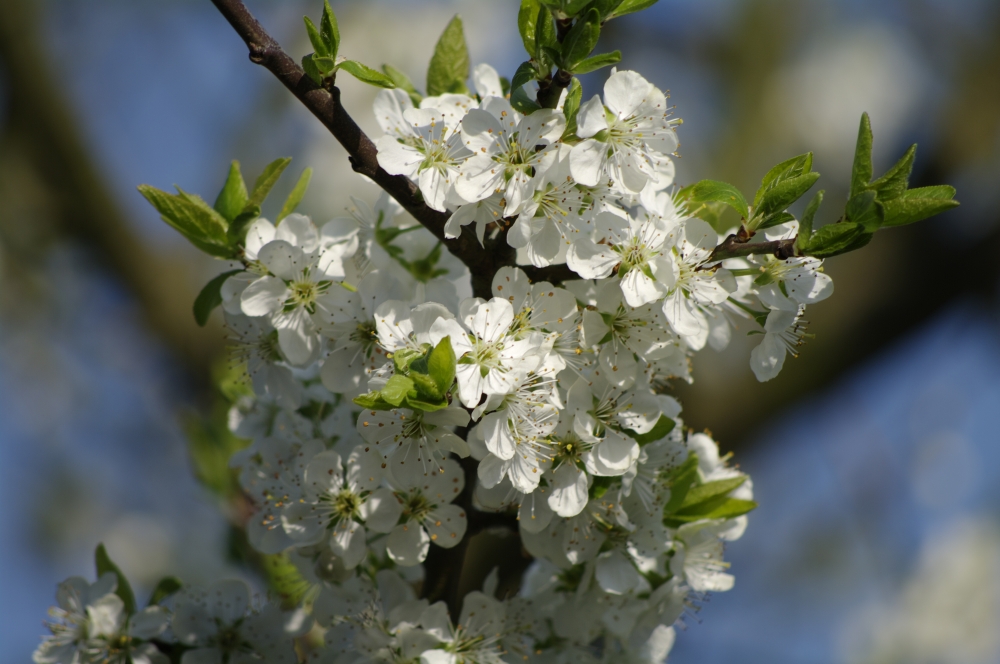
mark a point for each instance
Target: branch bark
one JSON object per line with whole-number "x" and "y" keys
{"x": 736, "y": 246}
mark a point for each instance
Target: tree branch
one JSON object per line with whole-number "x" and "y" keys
{"x": 735, "y": 246}
{"x": 325, "y": 105}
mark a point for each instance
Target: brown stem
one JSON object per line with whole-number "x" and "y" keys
{"x": 735, "y": 246}
{"x": 326, "y": 106}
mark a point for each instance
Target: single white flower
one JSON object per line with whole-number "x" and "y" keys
{"x": 428, "y": 515}
{"x": 698, "y": 557}
{"x": 627, "y": 139}
{"x": 476, "y": 637}
{"x": 784, "y": 331}
{"x": 413, "y": 444}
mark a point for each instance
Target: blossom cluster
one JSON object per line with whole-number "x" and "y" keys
{"x": 377, "y": 379}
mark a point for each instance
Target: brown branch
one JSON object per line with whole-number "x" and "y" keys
{"x": 736, "y": 246}
{"x": 325, "y": 105}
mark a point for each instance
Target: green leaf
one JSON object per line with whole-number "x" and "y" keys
{"x": 787, "y": 169}
{"x": 262, "y": 187}
{"x": 441, "y": 364}
{"x": 233, "y": 196}
{"x": 527, "y": 18}
{"x": 449, "y": 66}
{"x": 917, "y": 204}
{"x": 545, "y": 38}
{"x": 522, "y": 103}
{"x": 295, "y": 197}
{"x": 806, "y": 223}
{"x": 403, "y": 82}
{"x": 325, "y": 64}
{"x": 427, "y": 388}
{"x": 774, "y": 219}
{"x": 373, "y": 401}
{"x": 588, "y": 65}
{"x": 202, "y": 226}
{"x": 581, "y": 40}
{"x": 210, "y": 297}
{"x": 731, "y": 508}
{"x": 600, "y": 486}
{"x": 238, "y": 229}
{"x": 124, "y": 590}
{"x": 366, "y": 74}
{"x": 716, "y": 508}
{"x": 861, "y": 173}
{"x": 835, "y": 239}
{"x": 571, "y": 107}
{"x": 312, "y": 71}
{"x": 525, "y": 72}
{"x": 895, "y": 181}
{"x": 396, "y": 389}
{"x": 329, "y": 30}
{"x": 167, "y": 586}
{"x": 708, "y": 191}
{"x": 783, "y": 193}
{"x": 426, "y": 406}
{"x": 709, "y": 490}
{"x": 314, "y": 38}
{"x": 631, "y": 6}
{"x": 680, "y": 479}
{"x": 663, "y": 426}
{"x": 865, "y": 210}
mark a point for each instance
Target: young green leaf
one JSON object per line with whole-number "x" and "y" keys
{"x": 373, "y": 401}
{"x": 312, "y": 71}
{"x": 441, "y": 365}
{"x": 708, "y": 191}
{"x": 709, "y": 490}
{"x": 396, "y": 389}
{"x": 917, "y": 204}
{"x": 238, "y": 229}
{"x": 366, "y": 74}
{"x": 789, "y": 168}
{"x": 547, "y": 50}
{"x": 630, "y": 6}
{"x": 522, "y": 103}
{"x": 806, "y": 223}
{"x": 835, "y": 239}
{"x": 210, "y": 297}
{"x": 449, "y": 66}
{"x": 403, "y": 82}
{"x": 233, "y": 196}
{"x": 865, "y": 210}
{"x": 680, "y": 479}
{"x": 582, "y": 39}
{"x": 329, "y": 30}
{"x": 596, "y": 62}
{"x": 167, "y": 586}
{"x": 663, "y": 426}
{"x": 295, "y": 197}
{"x": 325, "y": 64}
{"x": 896, "y": 179}
{"x": 783, "y": 193}
{"x": 861, "y": 173}
{"x": 525, "y": 72}
{"x": 124, "y": 590}
{"x": 262, "y": 187}
{"x": 571, "y": 107}
{"x": 716, "y": 508}
{"x": 203, "y": 230}
{"x": 527, "y": 17}
{"x": 314, "y": 37}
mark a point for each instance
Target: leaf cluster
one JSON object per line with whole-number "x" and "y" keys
{"x": 693, "y": 499}
{"x": 423, "y": 380}
{"x": 322, "y": 64}
{"x": 221, "y": 229}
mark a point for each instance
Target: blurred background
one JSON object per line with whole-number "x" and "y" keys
{"x": 875, "y": 454}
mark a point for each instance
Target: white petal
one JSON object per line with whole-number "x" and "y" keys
{"x": 586, "y": 162}
{"x": 616, "y": 574}
{"x": 263, "y": 297}
{"x": 591, "y": 119}
{"x": 408, "y": 544}
{"x": 446, "y": 525}
{"x": 381, "y": 511}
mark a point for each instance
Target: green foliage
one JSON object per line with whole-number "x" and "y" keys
{"x": 527, "y": 19}
{"x": 284, "y": 579}
{"x": 806, "y": 223}
{"x": 166, "y": 587}
{"x": 861, "y": 172}
{"x": 596, "y": 62}
{"x": 581, "y": 39}
{"x": 210, "y": 442}
{"x": 713, "y": 191}
{"x": 210, "y": 297}
{"x": 104, "y": 565}
{"x": 917, "y": 204}
{"x": 663, "y": 426}
{"x": 790, "y": 168}
{"x": 201, "y": 225}
{"x": 366, "y": 74}
{"x": 267, "y": 179}
{"x": 421, "y": 382}
{"x": 865, "y": 210}
{"x": 449, "y": 67}
{"x": 233, "y": 197}
{"x": 571, "y": 107}
{"x": 631, "y": 6}
{"x": 693, "y": 500}
{"x": 294, "y": 198}
{"x": 525, "y": 72}
{"x": 836, "y": 239}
